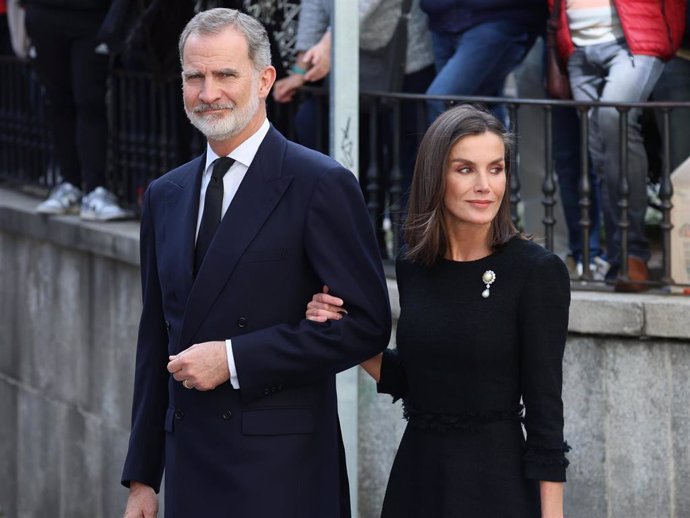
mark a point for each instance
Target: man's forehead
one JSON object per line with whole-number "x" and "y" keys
{"x": 228, "y": 43}
{"x": 219, "y": 37}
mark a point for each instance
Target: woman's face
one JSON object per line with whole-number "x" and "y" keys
{"x": 475, "y": 180}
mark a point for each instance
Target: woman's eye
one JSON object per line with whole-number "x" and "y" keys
{"x": 464, "y": 170}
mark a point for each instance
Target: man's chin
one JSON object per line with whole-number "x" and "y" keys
{"x": 218, "y": 137}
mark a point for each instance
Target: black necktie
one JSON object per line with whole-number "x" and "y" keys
{"x": 213, "y": 207}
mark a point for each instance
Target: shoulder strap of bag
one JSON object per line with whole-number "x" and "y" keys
{"x": 406, "y": 7}
{"x": 555, "y": 18}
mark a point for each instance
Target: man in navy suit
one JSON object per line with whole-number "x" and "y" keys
{"x": 234, "y": 390}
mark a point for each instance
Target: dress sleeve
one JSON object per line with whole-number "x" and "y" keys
{"x": 392, "y": 380}
{"x": 543, "y": 323}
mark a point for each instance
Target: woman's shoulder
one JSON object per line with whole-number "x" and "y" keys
{"x": 528, "y": 254}
{"x": 527, "y": 248}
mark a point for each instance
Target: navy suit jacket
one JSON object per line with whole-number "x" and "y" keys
{"x": 272, "y": 448}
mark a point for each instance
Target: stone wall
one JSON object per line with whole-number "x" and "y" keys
{"x": 69, "y": 307}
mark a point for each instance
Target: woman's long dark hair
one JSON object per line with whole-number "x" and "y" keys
{"x": 425, "y": 230}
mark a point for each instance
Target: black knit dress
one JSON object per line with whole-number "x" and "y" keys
{"x": 463, "y": 366}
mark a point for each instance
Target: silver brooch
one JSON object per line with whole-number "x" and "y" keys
{"x": 488, "y": 278}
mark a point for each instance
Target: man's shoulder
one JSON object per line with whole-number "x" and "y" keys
{"x": 179, "y": 175}
{"x": 302, "y": 160}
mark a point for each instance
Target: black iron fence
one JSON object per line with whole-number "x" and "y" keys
{"x": 149, "y": 134}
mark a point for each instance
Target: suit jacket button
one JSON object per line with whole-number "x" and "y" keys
{"x": 167, "y": 326}
{"x": 227, "y": 415}
{"x": 242, "y": 322}
{"x": 179, "y": 414}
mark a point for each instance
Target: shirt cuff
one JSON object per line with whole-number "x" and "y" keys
{"x": 231, "y": 365}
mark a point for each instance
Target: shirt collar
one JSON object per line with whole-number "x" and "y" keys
{"x": 245, "y": 152}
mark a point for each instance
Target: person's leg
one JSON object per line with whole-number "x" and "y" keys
{"x": 413, "y": 124}
{"x": 444, "y": 45}
{"x": 311, "y": 123}
{"x": 89, "y": 76}
{"x": 587, "y": 82}
{"x": 674, "y": 85}
{"x": 566, "y": 155}
{"x": 52, "y": 65}
{"x": 484, "y": 56}
{"x": 629, "y": 79}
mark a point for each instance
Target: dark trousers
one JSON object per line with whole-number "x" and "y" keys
{"x": 566, "y": 155}
{"x": 74, "y": 77}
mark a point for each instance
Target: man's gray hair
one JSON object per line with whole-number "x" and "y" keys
{"x": 215, "y": 21}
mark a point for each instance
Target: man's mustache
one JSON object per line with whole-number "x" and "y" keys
{"x": 201, "y": 108}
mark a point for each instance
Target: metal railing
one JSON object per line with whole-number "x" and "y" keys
{"x": 149, "y": 134}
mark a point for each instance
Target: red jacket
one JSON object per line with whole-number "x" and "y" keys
{"x": 651, "y": 27}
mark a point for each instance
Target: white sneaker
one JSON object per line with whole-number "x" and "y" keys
{"x": 601, "y": 268}
{"x": 63, "y": 199}
{"x": 598, "y": 267}
{"x": 101, "y": 205}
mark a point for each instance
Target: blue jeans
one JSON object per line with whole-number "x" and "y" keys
{"x": 610, "y": 72}
{"x": 478, "y": 60}
{"x": 566, "y": 155}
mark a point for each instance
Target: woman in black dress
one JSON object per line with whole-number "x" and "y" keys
{"x": 482, "y": 329}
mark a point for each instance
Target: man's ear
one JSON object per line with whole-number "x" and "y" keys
{"x": 266, "y": 79}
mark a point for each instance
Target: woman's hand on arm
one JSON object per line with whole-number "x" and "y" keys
{"x": 323, "y": 307}
{"x": 551, "y": 499}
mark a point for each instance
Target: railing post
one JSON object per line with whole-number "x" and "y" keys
{"x": 548, "y": 186}
{"x": 395, "y": 179}
{"x": 665, "y": 195}
{"x": 585, "y": 192}
{"x": 514, "y": 174}
{"x": 373, "y": 186}
{"x": 624, "y": 191}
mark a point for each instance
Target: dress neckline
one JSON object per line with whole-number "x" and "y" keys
{"x": 493, "y": 254}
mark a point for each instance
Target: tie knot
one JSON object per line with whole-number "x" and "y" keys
{"x": 221, "y": 166}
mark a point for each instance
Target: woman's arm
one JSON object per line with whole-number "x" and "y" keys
{"x": 373, "y": 367}
{"x": 551, "y": 499}
{"x": 323, "y": 307}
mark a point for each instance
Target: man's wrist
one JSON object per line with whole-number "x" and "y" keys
{"x": 298, "y": 70}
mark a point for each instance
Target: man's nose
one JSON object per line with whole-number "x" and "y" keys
{"x": 210, "y": 91}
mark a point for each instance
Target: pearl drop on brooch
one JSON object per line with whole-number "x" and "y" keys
{"x": 488, "y": 278}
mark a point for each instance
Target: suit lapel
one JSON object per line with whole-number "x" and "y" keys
{"x": 182, "y": 208}
{"x": 260, "y": 191}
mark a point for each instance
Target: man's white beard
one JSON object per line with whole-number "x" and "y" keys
{"x": 229, "y": 125}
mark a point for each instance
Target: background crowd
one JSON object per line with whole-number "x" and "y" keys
{"x": 614, "y": 51}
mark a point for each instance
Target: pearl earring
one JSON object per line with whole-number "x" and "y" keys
{"x": 488, "y": 278}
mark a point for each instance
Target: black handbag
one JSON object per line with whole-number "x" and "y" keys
{"x": 556, "y": 82}
{"x": 383, "y": 69}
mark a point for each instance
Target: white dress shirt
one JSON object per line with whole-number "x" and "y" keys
{"x": 243, "y": 155}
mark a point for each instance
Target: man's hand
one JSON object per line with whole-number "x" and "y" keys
{"x": 285, "y": 89}
{"x": 319, "y": 57}
{"x": 203, "y": 366}
{"x": 141, "y": 502}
